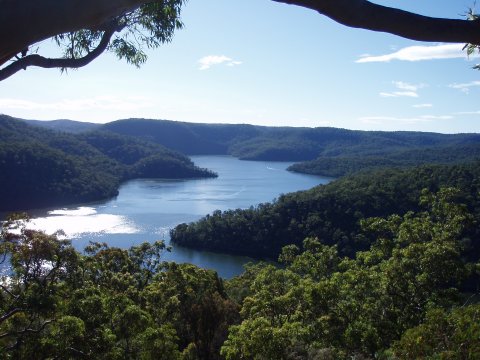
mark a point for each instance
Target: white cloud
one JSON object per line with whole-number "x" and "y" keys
{"x": 468, "y": 113}
{"x": 408, "y": 87}
{"x": 410, "y": 120}
{"x": 436, "y": 117}
{"x": 420, "y": 106}
{"x": 407, "y": 90}
{"x": 98, "y": 102}
{"x": 465, "y": 87}
{"x": 208, "y": 61}
{"x": 419, "y": 53}
{"x": 399, "y": 94}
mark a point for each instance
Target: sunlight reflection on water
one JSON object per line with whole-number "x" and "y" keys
{"x": 146, "y": 209}
{"x": 81, "y": 220}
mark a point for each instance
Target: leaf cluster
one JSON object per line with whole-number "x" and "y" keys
{"x": 146, "y": 27}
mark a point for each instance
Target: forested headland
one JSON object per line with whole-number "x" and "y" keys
{"x": 42, "y": 167}
{"x": 331, "y": 213}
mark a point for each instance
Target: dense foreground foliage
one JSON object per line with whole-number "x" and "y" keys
{"x": 107, "y": 304}
{"x": 411, "y": 295}
{"x": 42, "y": 167}
{"x": 399, "y": 300}
{"x": 329, "y": 212}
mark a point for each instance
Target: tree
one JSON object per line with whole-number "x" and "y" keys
{"x": 322, "y": 306}
{"x": 33, "y": 265}
{"x": 85, "y": 29}
{"x": 107, "y": 303}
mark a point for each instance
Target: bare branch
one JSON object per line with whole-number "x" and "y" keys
{"x": 8, "y": 292}
{"x": 27, "y": 330}
{"x": 366, "y": 15}
{"x": 9, "y": 314}
{"x": 40, "y": 61}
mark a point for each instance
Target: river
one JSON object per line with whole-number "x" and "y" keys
{"x": 146, "y": 209}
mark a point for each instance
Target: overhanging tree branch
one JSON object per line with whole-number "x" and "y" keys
{"x": 26, "y": 22}
{"x": 40, "y": 61}
{"x": 366, "y": 15}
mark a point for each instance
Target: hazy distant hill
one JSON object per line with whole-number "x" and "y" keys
{"x": 324, "y": 151}
{"x": 68, "y": 126}
{"x": 343, "y": 165}
{"x": 188, "y": 138}
{"x": 41, "y": 167}
{"x": 283, "y": 143}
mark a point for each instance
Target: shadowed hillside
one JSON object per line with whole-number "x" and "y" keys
{"x": 42, "y": 167}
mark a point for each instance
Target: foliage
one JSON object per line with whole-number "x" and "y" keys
{"x": 323, "y": 306}
{"x": 443, "y": 335}
{"x": 108, "y": 303}
{"x": 126, "y": 30}
{"x": 401, "y": 298}
{"x": 471, "y": 49}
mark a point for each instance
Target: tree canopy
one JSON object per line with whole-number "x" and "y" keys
{"x": 83, "y": 30}
{"x": 412, "y": 295}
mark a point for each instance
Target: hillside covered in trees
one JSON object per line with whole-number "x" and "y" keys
{"x": 43, "y": 167}
{"x": 251, "y": 142}
{"x": 331, "y": 213}
{"x": 412, "y": 294}
{"x": 320, "y": 151}
{"x": 342, "y": 165}
{"x": 381, "y": 264}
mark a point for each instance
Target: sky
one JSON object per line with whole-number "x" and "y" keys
{"x": 265, "y": 63}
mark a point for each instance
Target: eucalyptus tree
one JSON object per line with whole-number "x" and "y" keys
{"x": 85, "y": 29}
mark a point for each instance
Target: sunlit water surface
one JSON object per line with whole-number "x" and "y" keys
{"x": 146, "y": 209}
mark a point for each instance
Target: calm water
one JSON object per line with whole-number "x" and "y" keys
{"x": 145, "y": 210}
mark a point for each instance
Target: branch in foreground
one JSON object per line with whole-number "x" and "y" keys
{"x": 40, "y": 61}
{"x": 9, "y": 314}
{"x": 366, "y": 15}
{"x": 26, "y": 22}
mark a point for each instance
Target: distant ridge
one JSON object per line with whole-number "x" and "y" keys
{"x": 324, "y": 151}
{"x": 63, "y": 125}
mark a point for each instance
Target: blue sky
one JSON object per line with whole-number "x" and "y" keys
{"x": 265, "y": 63}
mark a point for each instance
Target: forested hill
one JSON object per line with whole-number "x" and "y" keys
{"x": 336, "y": 166}
{"x": 68, "y": 126}
{"x": 41, "y": 167}
{"x": 330, "y": 212}
{"x": 324, "y": 151}
{"x": 281, "y": 143}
